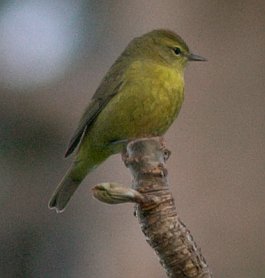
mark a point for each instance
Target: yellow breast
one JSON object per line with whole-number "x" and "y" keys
{"x": 147, "y": 104}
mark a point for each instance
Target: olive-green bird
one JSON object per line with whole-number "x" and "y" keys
{"x": 140, "y": 96}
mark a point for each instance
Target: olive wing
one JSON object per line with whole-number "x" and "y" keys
{"x": 109, "y": 87}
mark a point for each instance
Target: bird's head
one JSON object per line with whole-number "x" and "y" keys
{"x": 164, "y": 46}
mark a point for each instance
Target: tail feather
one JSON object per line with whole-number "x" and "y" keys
{"x": 63, "y": 193}
{"x": 87, "y": 158}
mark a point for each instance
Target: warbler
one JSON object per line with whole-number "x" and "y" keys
{"x": 140, "y": 96}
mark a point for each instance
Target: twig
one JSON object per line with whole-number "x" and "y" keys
{"x": 155, "y": 209}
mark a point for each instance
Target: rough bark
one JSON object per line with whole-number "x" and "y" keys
{"x": 156, "y": 210}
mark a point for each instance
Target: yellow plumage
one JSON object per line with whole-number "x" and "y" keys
{"x": 140, "y": 96}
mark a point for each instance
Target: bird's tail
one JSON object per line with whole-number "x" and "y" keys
{"x": 68, "y": 185}
{"x": 64, "y": 192}
{"x": 87, "y": 159}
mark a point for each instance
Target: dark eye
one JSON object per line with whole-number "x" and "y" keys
{"x": 177, "y": 51}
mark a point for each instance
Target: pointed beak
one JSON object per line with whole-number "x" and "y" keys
{"x": 193, "y": 57}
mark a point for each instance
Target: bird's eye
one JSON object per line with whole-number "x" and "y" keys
{"x": 177, "y": 51}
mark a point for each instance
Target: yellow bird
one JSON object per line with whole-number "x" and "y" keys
{"x": 140, "y": 96}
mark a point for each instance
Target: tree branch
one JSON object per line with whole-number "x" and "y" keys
{"x": 155, "y": 209}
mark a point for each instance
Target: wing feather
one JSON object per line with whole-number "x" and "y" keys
{"x": 108, "y": 88}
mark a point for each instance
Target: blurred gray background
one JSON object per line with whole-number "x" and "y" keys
{"x": 53, "y": 55}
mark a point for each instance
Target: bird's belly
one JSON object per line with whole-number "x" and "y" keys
{"x": 132, "y": 115}
{"x": 154, "y": 114}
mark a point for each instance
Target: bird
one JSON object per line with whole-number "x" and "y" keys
{"x": 140, "y": 96}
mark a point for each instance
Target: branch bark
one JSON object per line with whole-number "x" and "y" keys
{"x": 156, "y": 210}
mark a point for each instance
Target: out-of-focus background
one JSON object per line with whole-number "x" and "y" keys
{"x": 53, "y": 55}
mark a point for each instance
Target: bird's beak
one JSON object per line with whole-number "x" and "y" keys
{"x": 193, "y": 57}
